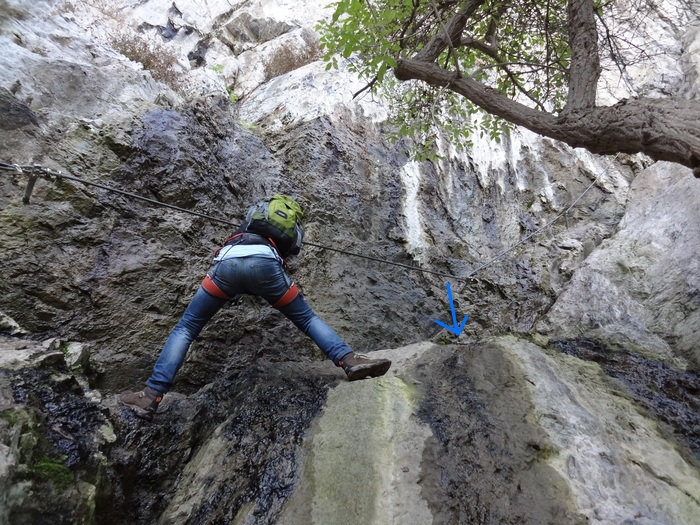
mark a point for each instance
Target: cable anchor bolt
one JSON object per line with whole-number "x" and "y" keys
{"x": 30, "y": 184}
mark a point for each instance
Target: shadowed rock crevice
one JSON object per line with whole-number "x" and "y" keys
{"x": 15, "y": 114}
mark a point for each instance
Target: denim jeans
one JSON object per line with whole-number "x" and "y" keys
{"x": 254, "y": 275}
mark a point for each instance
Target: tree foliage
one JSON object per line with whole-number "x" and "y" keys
{"x": 533, "y": 63}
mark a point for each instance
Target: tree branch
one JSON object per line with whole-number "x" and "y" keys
{"x": 585, "y": 61}
{"x": 407, "y": 24}
{"x": 369, "y": 85}
{"x": 486, "y": 48}
{"x": 454, "y": 30}
{"x": 488, "y": 98}
{"x": 447, "y": 37}
{"x": 491, "y": 51}
{"x": 663, "y": 129}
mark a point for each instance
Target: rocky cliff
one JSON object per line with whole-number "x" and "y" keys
{"x": 571, "y": 396}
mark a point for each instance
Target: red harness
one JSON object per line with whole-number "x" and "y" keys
{"x": 210, "y": 286}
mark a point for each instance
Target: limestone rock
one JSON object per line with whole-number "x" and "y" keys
{"x": 639, "y": 289}
{"x": 501, "y": 431}
{"x": 498, "y": 430}
{"x": 51, "y": 437}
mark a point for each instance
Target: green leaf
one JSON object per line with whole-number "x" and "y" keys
{"x": 374, "y": 34}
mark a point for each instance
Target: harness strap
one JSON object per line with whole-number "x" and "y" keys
{"x": 234, "y": 239}
{"x": 210, "y": 286}
{"x": 288, "y": 297}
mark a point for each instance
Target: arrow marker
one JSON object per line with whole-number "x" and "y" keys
{"x": 455, "y": 328}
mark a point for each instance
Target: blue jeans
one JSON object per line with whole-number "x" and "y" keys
{"x": 243, "y": 275}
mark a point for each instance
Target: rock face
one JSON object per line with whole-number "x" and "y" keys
{"x": 643, "y": 284}
{"x": 587, "y": 410}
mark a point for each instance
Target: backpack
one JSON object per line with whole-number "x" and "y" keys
{"x": 277, "y": 218}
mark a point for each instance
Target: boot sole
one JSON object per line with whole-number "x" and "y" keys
{"x": 363, "y": 372}
{"x": 138, "y": 411}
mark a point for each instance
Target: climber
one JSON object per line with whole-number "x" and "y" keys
{"x": 251, "y": 262}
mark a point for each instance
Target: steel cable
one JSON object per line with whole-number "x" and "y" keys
{"x": 37, "y": 170}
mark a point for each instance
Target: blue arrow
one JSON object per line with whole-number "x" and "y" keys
{"x": 455, "y": 328}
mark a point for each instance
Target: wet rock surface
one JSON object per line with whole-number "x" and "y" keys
{"x": 227, "y": 453}
{"x": 496, "y": 431}
{"x": 499, "y": 431}
{"x": 369, "y": 431}
{"x": 52, "y": 438}
{"x": 619, "y": 464}
{"x": 487, "y": 460}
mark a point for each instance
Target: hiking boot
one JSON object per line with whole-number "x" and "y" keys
{"x": 144, "y": 404}
{"x": 359, "y": 366}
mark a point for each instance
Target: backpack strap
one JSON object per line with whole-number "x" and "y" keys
{"x": 247, "y": 238}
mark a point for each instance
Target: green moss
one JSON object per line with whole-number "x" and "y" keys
{"x": 52, "y": 470}
{"x": 540, "y": 340}
{"x": 14, "y": 416}
{"x": 247, "y": 125}
{"x": 9, "y": 416}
